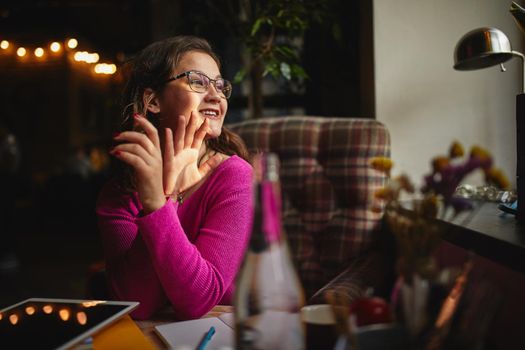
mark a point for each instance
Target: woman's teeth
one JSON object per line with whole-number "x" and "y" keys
{"x": 209, "y": 113}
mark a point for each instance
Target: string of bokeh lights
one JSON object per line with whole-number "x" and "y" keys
{"x": 57, "y": 48}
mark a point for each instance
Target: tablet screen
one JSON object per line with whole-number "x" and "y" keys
{"x": 56, "y": 323}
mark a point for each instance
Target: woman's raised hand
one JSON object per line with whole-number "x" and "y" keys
{"x": 142, "y": 152}
{"x": 181, "y": 155}
{"x": 158, "y": 175}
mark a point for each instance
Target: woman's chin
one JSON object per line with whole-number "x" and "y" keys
{"x": 213, "y": 133}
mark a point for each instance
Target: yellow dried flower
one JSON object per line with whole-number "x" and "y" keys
{"x": 480, "y": 153}
{"x": 376, "y": 209}
{"x": 384, "y": 193}
{"x": 439, "y": 163}
{"x": 405, "y": 183}
{"x": 383, "y": 164}
{"x": 456, "y": 150}
{"x": 497, "y": 177}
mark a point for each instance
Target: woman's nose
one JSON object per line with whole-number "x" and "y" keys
{"x": 212, "y": 94}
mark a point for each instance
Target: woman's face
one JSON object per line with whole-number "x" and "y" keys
{"x": 177, "y": 98}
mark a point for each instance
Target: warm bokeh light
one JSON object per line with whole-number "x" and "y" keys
{"x": 78, "y": 56}
{"x": 64, "y": 314}
{"x": 1, "y": 316}
{"x": 13, "y": 319}
{"x": 85, "y": 56}
{"x": 48, "y": 309}
{"x": 72, "y": 43}
{"x": 30, "y": 310}
{"x": 39, "y": 52}
{"x": 55, "y": 46}
{"x": 81, "y": 317}
{"x": 21, "y": 52}
{"x": 92, "y": 303}
{"x": 104, "y": 68}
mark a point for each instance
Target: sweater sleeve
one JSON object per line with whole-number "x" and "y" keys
{"x": 155, "y": 260}
{"x": 129, "y": 269}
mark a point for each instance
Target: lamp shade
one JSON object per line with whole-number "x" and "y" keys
{"x": 481, "y": 48}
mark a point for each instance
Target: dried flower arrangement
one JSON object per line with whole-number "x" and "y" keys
{"x": 414, "y": 223}
{"x": 417, "y": 230}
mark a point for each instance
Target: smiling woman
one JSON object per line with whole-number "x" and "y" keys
{"x": 173, "y": 144}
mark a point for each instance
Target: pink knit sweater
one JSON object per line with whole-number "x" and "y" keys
{"x": 188, "y": 254}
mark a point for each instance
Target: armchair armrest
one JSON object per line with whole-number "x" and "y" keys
{"x": 375, "y": 269}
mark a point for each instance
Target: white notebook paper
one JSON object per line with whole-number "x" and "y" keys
{"x": 190, "y": 333}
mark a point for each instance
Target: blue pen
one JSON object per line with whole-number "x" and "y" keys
{"x": 207, "y": 337}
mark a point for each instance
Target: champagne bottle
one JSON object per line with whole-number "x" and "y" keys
{"x": 269, "y": 295}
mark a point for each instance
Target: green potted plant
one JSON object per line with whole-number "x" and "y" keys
{"x": 270, "y": 32}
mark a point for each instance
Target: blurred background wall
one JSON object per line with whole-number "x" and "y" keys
{"x": 424, "y": 102}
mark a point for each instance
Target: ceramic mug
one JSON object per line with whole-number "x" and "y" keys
{"x": 321, "y": 331}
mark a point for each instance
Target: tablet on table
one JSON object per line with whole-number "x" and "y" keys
{"x": 56, "y": 323}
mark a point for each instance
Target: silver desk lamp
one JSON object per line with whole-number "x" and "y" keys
{"x": 486, "y": 47}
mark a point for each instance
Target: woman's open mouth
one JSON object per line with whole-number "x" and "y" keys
{"x": 210, "y": 113}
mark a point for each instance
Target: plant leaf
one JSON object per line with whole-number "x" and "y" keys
{"x": 286, "y": 71}
{"x": 272, "y": 67}
{"x": 256, "y": 26}
{"x": 286, "y": 52}
{"x": 239, "y": 76}
{"x": 299, "y": 72}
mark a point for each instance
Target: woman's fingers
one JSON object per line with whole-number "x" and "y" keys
{"x": 200, "y": 134}
{"x": 135, "y": 161}
{"x": 136, "y": 150}
{"x": 136, "y": 138}
{"x": 210, "y": 164}
{"x": 193, "y": 125}
{"x": 168, "y": 145}
{"x": 169, "y": 153}
{"x": 149, "y": 129}
{"x": 179, "y": 134}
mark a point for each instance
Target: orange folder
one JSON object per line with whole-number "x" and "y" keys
{"x": 122, "y": 335}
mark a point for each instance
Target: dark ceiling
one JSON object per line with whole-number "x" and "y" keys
{"x": 108, "y": 26}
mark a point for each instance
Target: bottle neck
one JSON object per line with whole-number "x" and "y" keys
{"x": 271, "y": 211}
{"x": 267, "y": 216}
{"x": 267, "y": 196}
{"x": 258, "y": 238}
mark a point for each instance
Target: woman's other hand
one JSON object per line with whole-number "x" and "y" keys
{"x": 181, "y": 155}
{"x": 142, "y": 152}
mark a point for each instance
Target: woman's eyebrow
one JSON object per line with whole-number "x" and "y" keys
{"x": 198, "y": 71}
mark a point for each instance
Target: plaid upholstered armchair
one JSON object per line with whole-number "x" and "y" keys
{"x": 327, "y": 187}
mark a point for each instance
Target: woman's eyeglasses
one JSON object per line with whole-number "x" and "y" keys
{"x": 200, "y": 82}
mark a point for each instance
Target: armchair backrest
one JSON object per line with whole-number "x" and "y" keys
{"x": 327, "y": 187}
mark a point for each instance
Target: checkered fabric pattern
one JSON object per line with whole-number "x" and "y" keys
{"x": 327, "y": 187}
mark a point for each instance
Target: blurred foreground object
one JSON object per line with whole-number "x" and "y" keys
{"x": 269, "y": 295}
{"x": 425, "y": 297}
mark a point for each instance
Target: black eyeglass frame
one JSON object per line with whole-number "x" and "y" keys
{"x": 212, "y": 81}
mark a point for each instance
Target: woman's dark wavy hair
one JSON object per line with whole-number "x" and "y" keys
{"x": 150, "y": 69}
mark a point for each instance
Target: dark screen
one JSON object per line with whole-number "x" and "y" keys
{"x": 48, "y": 325}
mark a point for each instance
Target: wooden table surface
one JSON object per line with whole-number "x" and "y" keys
{"x": 490, "y": 233}
{"x": 166, "y": 316}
